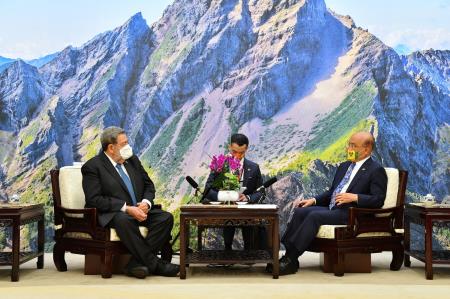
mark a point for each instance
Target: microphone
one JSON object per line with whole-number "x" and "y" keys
{"x": 192, "y": 182}
{"x": 194, "y": 185}
{"x": 267, "y": 184}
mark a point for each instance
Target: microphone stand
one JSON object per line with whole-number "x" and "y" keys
{"x": 263, "y": 196}
{"x": 196, "y": 196}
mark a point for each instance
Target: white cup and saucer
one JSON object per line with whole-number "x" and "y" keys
{"x": 428, "y": 200}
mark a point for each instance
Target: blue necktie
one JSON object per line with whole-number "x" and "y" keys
{"x": 127, "y": 182}
{"x": 341, "y": 185}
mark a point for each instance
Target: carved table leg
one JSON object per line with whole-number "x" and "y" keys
{"x": 428, "y": 248}
{"x": 183, "y": 246}
{"x": 15, "y": 249}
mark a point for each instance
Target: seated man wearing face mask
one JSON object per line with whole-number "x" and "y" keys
{"x": 360, "y": 182}
{"x": 116, "y": 184}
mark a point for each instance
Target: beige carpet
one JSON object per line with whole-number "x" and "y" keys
{"x": 236, "y": 282}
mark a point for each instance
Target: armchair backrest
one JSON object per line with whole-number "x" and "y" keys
{"x": 67, "y": 190}
{"x": 392, "y": 187}
{"x": 395, "y": 193}
{"x": 70, "y": 187}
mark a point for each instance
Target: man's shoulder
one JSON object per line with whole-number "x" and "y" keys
{"x": 250, "y": 163}
{"x": 92, "y": 162}
{"x": 134, "y": 160}
{"x": 373, "y": 164}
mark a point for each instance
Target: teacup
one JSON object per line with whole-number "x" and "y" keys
{"x": 428, "y": 200}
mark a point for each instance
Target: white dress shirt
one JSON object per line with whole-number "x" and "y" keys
{"x": 354, "y": 172}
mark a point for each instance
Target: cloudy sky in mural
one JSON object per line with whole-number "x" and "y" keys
{"x": 27, "y": 28}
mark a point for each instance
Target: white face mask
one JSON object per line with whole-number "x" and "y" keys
{"x": 126, "y": 152}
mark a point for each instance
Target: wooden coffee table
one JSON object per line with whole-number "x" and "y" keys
{"x": 425, "y": 216}
{"x": 15, "y": 215}
{"x": 224, "y": 215}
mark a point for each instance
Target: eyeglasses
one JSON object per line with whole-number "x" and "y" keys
{"x": 352, "y": 145}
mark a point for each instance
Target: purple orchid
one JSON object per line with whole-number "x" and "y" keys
{"x": 223, "y": 163}
{"x": 234, "y": 164}
{"x": 226, "y": 168}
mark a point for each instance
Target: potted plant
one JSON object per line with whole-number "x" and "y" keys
{"x": 226, "y": 168}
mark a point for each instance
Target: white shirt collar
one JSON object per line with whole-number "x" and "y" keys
{"x": 114, "y": 163}
{"x": 354, "y": 171}
{"x": 360, "y": 163}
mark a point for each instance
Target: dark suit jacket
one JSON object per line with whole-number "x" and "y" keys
{"x": 252, "y": 180}
{"x": 105, "y": 190}
{"x": 370, "y": 183}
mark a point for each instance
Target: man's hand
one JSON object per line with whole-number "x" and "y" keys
{"x": 342, "y": 198}
{"x": 143, "y": 206}
{"x": 242, "y": 197}
{"x": 136, "y": 213}
{"x": 303, "y": 203}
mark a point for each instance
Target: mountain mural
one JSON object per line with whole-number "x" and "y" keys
{"x": 38, "y": 62}
{"x": 294, "y": 76}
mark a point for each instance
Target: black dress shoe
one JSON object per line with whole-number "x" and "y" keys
{"x": 167, "y": 269}
{"x": 288, "y": 266}
{"x": 269, "y": 266}
{"x": 138, "y": 271}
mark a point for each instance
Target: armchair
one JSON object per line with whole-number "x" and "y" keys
{"x": 368, "y": 230}
{"x": 76, "y": 227}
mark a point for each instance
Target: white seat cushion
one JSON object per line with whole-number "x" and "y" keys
{"x": 327, "y": 231}
{"x": 114, "y": 237}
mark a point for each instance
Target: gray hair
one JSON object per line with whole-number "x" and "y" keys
{"x": 109, "y": 136}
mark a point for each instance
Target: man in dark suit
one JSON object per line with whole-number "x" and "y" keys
{"x": 250, "y": 178}
{"x": 116, "y": 184}
{"x": 360, "y": 182}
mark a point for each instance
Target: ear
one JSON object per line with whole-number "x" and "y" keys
{"x": 110, "y": 147}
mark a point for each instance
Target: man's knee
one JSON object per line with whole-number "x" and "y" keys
{"x": 301, "y": 212}
{"x": 315, "y": 217}
{"x": 298, "y": 211}
{"x": 167, "y": 217}
{"x": 122, "y": 220}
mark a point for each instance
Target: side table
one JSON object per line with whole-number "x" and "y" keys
{"x": 16, "y": 215}
{"x": 425, "y": 215}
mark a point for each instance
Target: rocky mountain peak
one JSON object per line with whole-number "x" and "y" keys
{"x": 133, "y": 29}
{"x": 21, "y": 92}
{"x": 434, "y": 65}
{"x": 21, "y": 68}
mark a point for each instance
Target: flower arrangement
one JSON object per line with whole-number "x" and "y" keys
{"x": 226, "y": 169}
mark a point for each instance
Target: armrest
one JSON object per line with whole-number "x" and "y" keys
{"x": 361, "y": 220}
{"x": 355, "y": 213}
{"x": 86, "y": 223}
